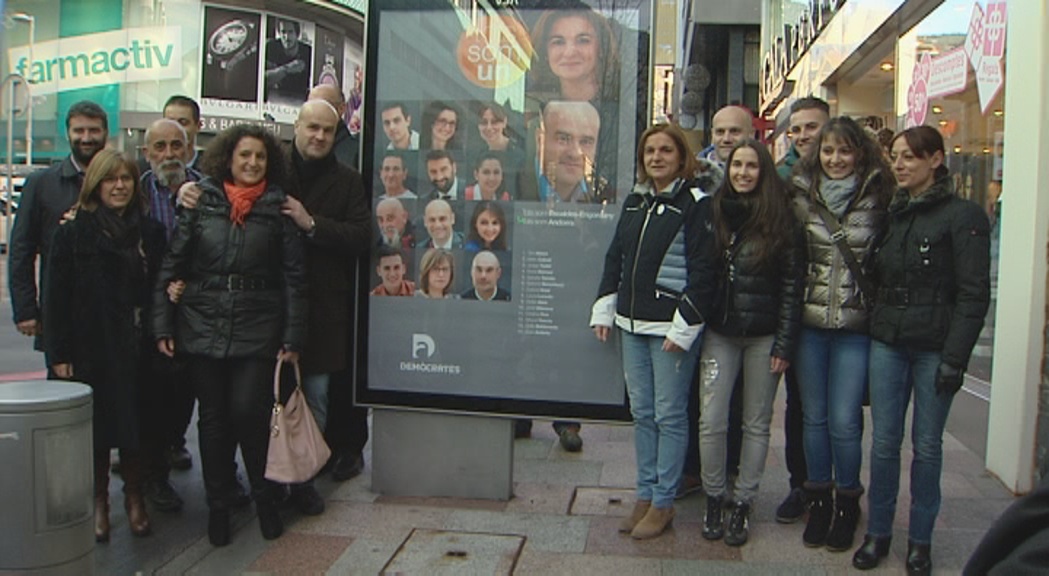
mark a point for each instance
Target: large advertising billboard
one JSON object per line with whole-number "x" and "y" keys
{"x": 501, "y": 141}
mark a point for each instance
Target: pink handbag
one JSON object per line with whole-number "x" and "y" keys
{"x": 297, "y": 449}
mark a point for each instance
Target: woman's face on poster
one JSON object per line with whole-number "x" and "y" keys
{"x": 491, "y": 127}
{"x": 489, "y": 226}
{"x": 444, "y": 127}
{"x": 489, "y": 176}
{"x": 572, "y": 49}
{"x": 440, "y": 276}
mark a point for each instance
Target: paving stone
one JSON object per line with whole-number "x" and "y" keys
{"x": 533, "y": 498}
{"x": 365, "y": 556}
{"x": 536, "y": 563}
{"x": 370, "y": 520}
{"x": 677, "y": 567}
{"x": 578, "y": 473}
{"x": 296, "y": 553}
{"x": 439, "y": 552}
{"x": 544, "y": 532}
{"x": 591, "y": 501}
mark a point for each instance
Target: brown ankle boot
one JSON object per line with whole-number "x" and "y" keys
{"x": 640, "y": 508}
{"x": 133, "y": 471}
{"x": 102, "y": 498}
{"x": 656, "y": 520}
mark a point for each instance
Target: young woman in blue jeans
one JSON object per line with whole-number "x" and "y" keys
{"x": 933, "y": 273}
{"x": 656, "y": 288}
{"x": 841, "y": 190}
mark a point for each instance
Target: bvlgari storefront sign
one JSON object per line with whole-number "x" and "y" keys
{"x": 785, "y": 50}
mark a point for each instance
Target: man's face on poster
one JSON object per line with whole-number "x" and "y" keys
{"x": 485, "y": 273}
{"x": 393, "y": 173}
{"x": 439, "y": 219}
{"x": 568, "y": 142}
{"x": 441, "y": 173}
{"x": 392, "y": 219}
{"x": 397, "y": 126}
{"x": 289, "y": 38}
{"x": 391, "y": 270}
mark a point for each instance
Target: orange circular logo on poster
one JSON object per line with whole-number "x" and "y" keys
{"x": 494, "y": 53}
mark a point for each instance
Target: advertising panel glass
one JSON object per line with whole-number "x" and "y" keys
{"x": 501, "y": 140}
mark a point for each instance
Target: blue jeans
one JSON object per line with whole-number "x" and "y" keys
{"x": 315, "y": 388}
{"x": 896, "y": 371}
{"x": 657, "y": 383}
{"x": 832, "y": 370}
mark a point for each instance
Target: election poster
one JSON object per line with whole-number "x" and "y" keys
{"x": 500, "y": 140}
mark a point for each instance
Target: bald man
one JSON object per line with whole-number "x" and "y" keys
{"x": 566, "y": 148}
{"x": 346, "y": 145}
{"x": 328, "y": 202}
{"x": 439, "y": 219}
{"x": 485, "y": 271}
{"x": 730, "y": 125}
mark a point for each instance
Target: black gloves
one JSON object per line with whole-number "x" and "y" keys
{"x": 948, "y": 379}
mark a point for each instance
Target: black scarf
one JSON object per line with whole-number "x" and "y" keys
{"x": 125, "y": 231}
{"x": 309, "y": 171}
{"x": 736, "y": 210}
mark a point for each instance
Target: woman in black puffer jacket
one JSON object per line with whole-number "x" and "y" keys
{"x": 755, "y": 320}
{"x": 244, "y": 306}
{"x": 933, "y": 275}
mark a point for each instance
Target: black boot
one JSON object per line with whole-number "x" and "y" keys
{"x": 919, "y": 559}
{"x": 270, "y": 522}
{"x": 871, "y": 552}
{"x": 846, "y": 515}
{"x": 821, "y": 509}
{"x": 713, "y": 521}
{"x": 218, "y": 526}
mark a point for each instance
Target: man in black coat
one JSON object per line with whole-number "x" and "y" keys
{"x": 47, "y": 195}
{"x": 346, "y": 144}
{"x": 329, "y": 203}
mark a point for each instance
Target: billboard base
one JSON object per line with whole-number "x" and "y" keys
{"x": 442, "y": 455}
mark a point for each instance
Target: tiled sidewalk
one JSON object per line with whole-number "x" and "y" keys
{"x": 562, "y": 520}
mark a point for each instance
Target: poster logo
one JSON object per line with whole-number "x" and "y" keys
{"x": 494, "y": 53}
{"x": 423, "y": 344}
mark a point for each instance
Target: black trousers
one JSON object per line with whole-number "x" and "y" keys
{"x": 347, "y": 430}
{"x": 236, "y": 399}
{"x": 166, "y": 416}
{"x": 794, "y": 430}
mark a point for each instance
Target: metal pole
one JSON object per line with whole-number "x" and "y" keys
{"x": 28, "y": 18}
{"x": 9, "y": 81}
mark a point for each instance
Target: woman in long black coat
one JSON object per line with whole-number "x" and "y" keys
{"x": 99, "y": 275}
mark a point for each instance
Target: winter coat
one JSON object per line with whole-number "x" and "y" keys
{"x": 245, "y": 290}
{"x": 832, "y": 297}
{"x": 755, "y": 299}
{"x": 97, "y": 305}
{"x": 933, "y": 272}
{"x": 338, "y": 203}
{"x": 47, "y": 195}
{"x": 659, "y": 270}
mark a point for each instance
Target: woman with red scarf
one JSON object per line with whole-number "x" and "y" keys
{"x": 243, "y": 307}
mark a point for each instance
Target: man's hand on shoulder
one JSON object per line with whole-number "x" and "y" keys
{"x": 188, "y": 195}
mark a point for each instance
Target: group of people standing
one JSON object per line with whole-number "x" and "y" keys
{"x": 181, "y": 279}
{"x": 859, "y": 271}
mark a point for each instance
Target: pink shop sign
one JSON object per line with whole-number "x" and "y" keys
{"x": 948, "y": 73}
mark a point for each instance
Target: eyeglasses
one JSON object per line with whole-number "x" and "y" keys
{"x": 446, "y": 123}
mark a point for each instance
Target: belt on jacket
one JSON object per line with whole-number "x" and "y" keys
{"x": 238, "y": 283}
{"x": 902, "y": 296}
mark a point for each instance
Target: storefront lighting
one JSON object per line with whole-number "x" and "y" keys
{"x": 942, "y": 123}
{"x": 886, "y": 66}
{"x": 998, "y": 113}
{"x": 957, "y": 149}
{"x": 986, "y": 150}
{"x": 937, "y": 109}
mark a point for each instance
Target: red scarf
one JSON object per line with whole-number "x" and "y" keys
{"x": 241, "y": 199}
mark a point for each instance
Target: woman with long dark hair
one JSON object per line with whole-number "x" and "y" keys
{"x": 841, "y": 192}
{"x": 487, "y": 228}
{"x": 99, "y": 282}
{"x": 440, "y": 126}
{"x": 753, "y": 328}
{"x": 243, "y": 307}
{"x": 656, "y": 288}
{"x": 933, "y": 273}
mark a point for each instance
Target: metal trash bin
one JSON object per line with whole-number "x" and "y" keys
{"x": 46, "y": 489}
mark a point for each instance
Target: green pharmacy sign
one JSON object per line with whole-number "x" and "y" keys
{"x": 115, "y": 57}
